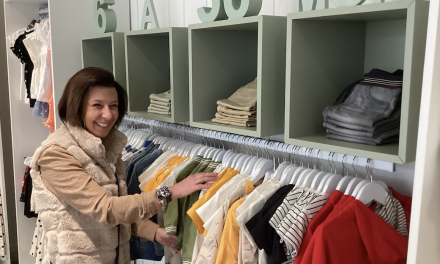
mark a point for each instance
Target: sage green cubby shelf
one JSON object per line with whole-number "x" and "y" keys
{"x": 106, "y": 51}
{"x": 226, "y": 55}
{"x": 329, "y": 49}
{"x": 157, "y": 61}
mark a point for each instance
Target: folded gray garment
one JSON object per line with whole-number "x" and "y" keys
{"x": 159, "y": 112}
{"x": 238, "y": 118}
{"x": 225, "y": 110}
{"x": 380, "y": 126}
{"x": 157, "y": 107}
{"x": 359, "y": 133}
{"x": 235, "y": 123}
{"x": 244, "y": 99}
{"x": 163, "y": 97}
{"x": 381, "y": 139}
{"x": 156, "y": 102}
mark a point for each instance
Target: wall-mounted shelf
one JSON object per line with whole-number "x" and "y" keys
{"x": 157, "y": 61}
{"x": 106, "y": 51}
{"x": 226, "y": 55}
{"x": 329, "y": 49}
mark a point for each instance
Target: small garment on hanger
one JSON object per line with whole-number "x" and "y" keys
{"x": 26, "y": 194}
{"x": 38, "y": 243}
{"x": 19, "y": 49}
{"x": 160, "y": 164}
{"x": 263, "y": 234}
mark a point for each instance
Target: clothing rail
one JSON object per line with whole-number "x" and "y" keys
{"x": 264, "y": 147}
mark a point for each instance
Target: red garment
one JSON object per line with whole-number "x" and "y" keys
{"x": 353, "y": 233}
{"x": 319, "y": 218}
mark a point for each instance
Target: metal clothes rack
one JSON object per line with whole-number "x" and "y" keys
{"x": 272, "y": 149}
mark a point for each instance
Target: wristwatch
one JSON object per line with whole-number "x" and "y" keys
{"x": 164, "y": 196}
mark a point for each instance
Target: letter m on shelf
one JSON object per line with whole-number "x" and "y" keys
{"x": 309, "y": 5}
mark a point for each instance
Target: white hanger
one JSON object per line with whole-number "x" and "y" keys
{"x": 373, "y": 191}
{"x": 261, "y": 170}
{"x": 239, "y": 165}
{"x": 343, "y": 183}
{"x": 287, "y": 173}
{"x": 332, "y": 182}
{"x": 249, "y": 167}
{"x": 281, "y": 168}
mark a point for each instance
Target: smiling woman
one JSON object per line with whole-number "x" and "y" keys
{"x": 80, "y": 191}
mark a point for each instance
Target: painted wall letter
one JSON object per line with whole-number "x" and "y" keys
{"x": 309, "y": 5}
{"x": 105, "y": 18}
{"x": 217, "y": 12}
{"x": 242, "y": 8}
{"x": 149, "y": 15}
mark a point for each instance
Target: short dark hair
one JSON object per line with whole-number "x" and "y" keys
{"x": 75, "y": 92}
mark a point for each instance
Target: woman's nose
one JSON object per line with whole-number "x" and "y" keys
{"x": 107, "y": 113}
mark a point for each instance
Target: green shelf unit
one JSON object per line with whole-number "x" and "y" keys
{"x": 226, "y": 55}
{"x": 157, "y": 61}
{"x": 106, "y": 51}
{"x": 329, "y": 49}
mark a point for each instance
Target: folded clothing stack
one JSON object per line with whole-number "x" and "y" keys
{"x": 371, "y": 114}
{"x": 240, "y": 109}
{"x": 160, "y": 103}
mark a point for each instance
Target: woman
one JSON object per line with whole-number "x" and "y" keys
{"x": 79, "y": 179}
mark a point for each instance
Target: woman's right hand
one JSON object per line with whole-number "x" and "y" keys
{"x": 191, "y": 184}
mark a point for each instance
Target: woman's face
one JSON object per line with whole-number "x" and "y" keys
{"x": 100, "y": 110}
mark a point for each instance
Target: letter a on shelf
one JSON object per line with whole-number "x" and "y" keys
{"x": 246, "y": 8}
{"x": 217, "y": 12}
{"x": 149, "y": 15}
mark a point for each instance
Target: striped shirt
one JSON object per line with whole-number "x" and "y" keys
{"x": 294, "y": 225}
{"x": 392, "y": 213}
{"x": 284, "y": 208}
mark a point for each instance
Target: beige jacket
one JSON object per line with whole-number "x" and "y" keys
{"x": 77, "y": 179}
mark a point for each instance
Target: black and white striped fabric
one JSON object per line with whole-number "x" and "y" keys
{"x": 294, "y": 225}
{"x": 392, "y": 213}
{"x": 385, "y": 81}
{"x": 284, "y": 208}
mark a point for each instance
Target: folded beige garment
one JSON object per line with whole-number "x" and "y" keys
{"x": 156, "y": 102}
{"x": 244, "y": 99}
{"x": 234, "y": 123}
{"x": 165, "y": 108}
{"x": 238, "y": 118}
{"x": 224, "y": 110}
{"x": 163, "y": 97}
{"x": 158, "y": 109}
{"x": 159, "y": 112}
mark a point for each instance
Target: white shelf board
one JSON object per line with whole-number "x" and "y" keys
{"x": 28, "y": 2}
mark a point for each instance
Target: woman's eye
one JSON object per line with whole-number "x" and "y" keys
{"x": 114, "y": 106}
{"x": 97, "y": 105}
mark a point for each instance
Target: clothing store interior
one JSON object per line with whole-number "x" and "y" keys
{"x": 317, "y": 120}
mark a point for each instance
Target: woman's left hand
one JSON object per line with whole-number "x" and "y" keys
{"x": 166, "y": 240}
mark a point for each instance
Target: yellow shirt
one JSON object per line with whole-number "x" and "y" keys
{"x": 229, "y": 243}
{"x": 163, "y": 173}
{"x": 222, "y": 179}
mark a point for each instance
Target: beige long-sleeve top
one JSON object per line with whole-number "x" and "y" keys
{"x": 64, "y": 176}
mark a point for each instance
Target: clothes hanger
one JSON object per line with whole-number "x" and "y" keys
{"x": 315, "y": 173}
{"x": 366, "y": 181}
{"x": 295, "y": 176}
{"x": 260, "y": 172}
{"x": 343, "y": 184}
{"x": 332, "y": 182}
{"x": 372, "y": 191}
{"x": 321, "y": 185}
{"x": 353, "y": 182}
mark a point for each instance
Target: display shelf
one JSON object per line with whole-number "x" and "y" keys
{"x": 106, "y": 51}
{"x": 329, "y": 49}
{"x": 226, "y": 55}
{"x": 157, "y": 61}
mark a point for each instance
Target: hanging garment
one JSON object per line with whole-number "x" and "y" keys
{"x": 19, "y": 49}
{"x": 209, "y": 251}
{"x": 37, "y": 248}
{"x": 262, "y": 232}
{"x": 252, "y": 205}
{"x": 223, "y": 178}
{"x": 358, "y": 230}
{"x": 50, "y": 122}
{"x": 164, "y": 173}
{"x": 157, "y": 165}
{"x": 292, "y": 228}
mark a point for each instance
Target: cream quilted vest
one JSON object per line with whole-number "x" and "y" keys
{"x": 71, "y": 237}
